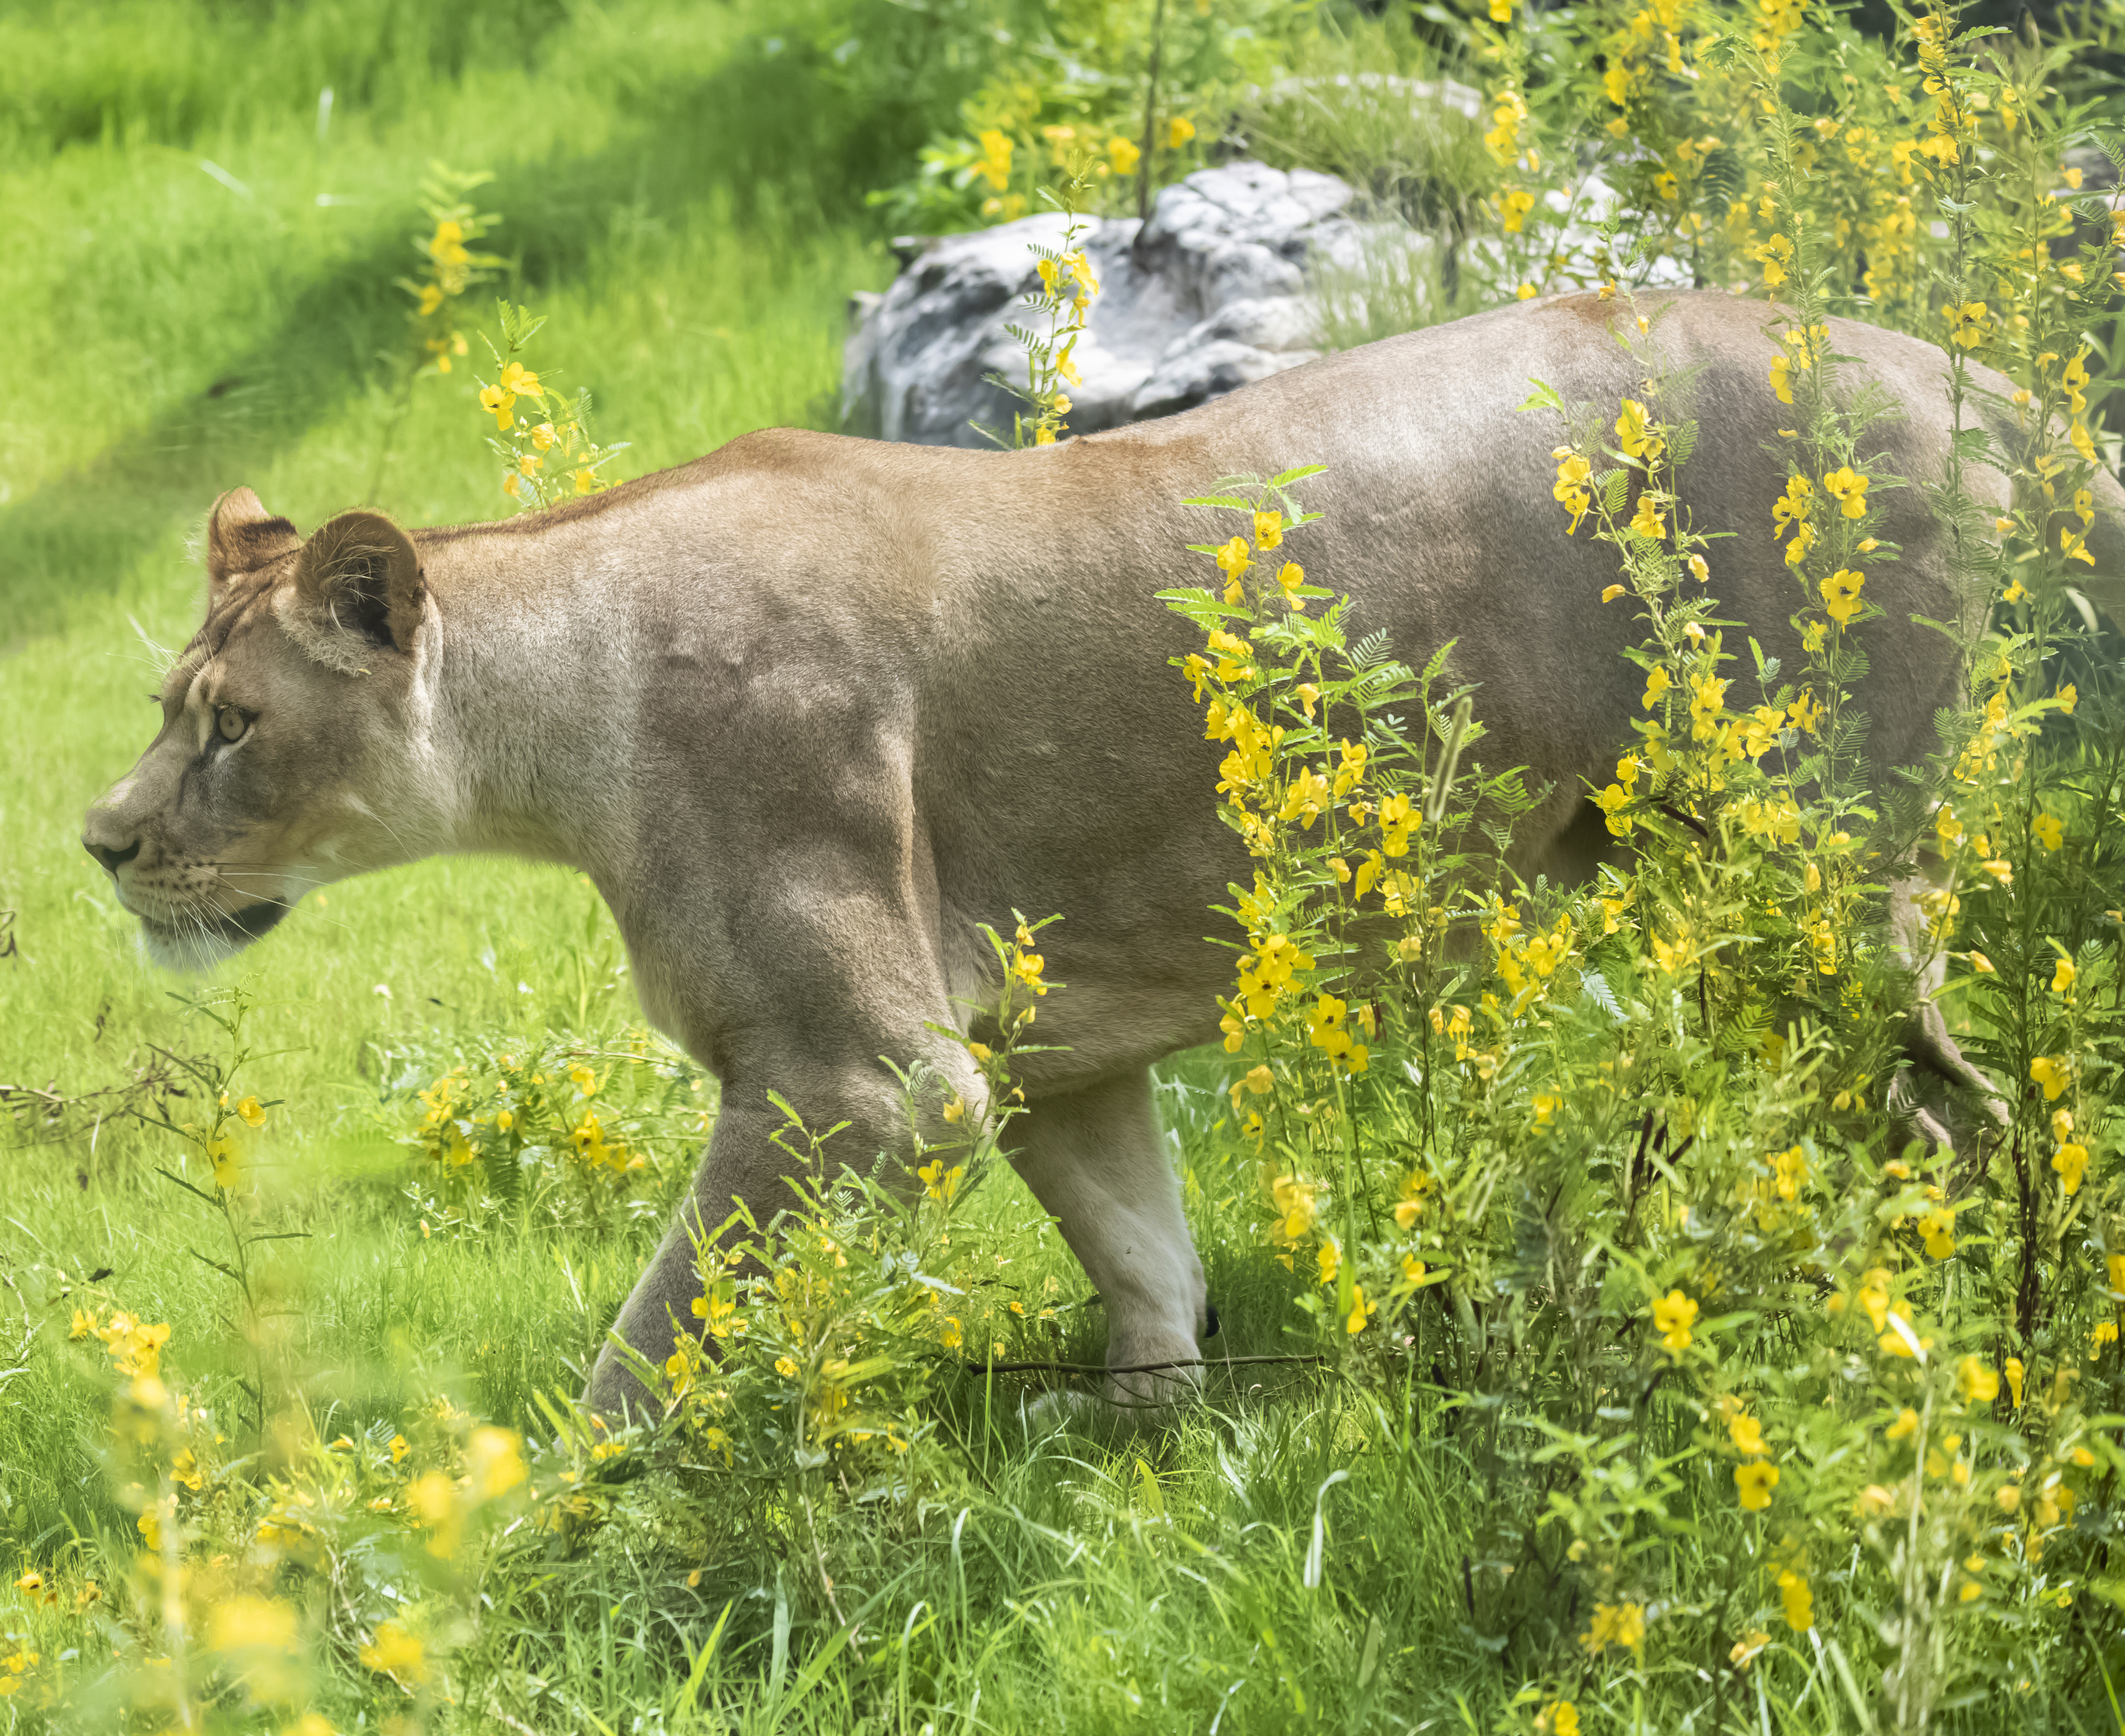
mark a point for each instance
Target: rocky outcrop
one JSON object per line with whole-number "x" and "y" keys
{"x": 1210, "y": 295}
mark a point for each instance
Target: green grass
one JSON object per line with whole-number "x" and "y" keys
{"x": 682, "y": 191}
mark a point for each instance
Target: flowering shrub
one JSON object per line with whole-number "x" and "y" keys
{"x": 1129, "y": 98}
{"x": 550, "y": 455}
{"x": 1615, "y": 1188}
{"x": 561, "y": 1129}
{"x": 1064, "y": 299}
{"x": 244, "y": 1569}
{"x": 449, "y": 267}
{"x": 1706, "y": 131}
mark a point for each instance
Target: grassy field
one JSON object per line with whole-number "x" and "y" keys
{"x": 203, "y": 250}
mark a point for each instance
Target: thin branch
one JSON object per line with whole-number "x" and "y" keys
{"x": 1134, "y": 1368}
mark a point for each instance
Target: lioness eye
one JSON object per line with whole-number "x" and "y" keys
{"x": 230, "y": 722}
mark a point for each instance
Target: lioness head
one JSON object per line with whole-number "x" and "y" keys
{"x": 286, "y": 724}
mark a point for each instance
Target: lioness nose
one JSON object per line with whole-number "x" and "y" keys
{"x": 112, "y": 859}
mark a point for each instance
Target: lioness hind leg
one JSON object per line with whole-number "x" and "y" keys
{"x": 1094, "y": 1161}
{"x": 1927, "y": 1041}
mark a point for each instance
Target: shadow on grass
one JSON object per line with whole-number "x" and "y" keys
{"x": 759, "y": 129}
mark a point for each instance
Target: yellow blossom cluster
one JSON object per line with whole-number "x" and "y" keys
{"x": 135, "y": 1347}
{"x": 449, "y": 267}
{"x": 1615, "y": 1623}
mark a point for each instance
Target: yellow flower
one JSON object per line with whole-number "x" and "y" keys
{"x": 2063, "y": 976}
{"x": 2050, "y": 832}
{"x": 2015, "y": 1376}
{"x": 253, "y": 1114}
{"x": 1647, "y": 522}
{"x": 1611, "y": 593}
{"x": 1572, "y": 470}
{"x": 494, "y": 1464}
{"x": 1329, "y": 1259}
{"x": 1656, "y": 684}
{"x": 1294, "y": 1205}
{"x": 1937, "y": 1227}
{"x": 950, "y": 1336}
{"x": 1290, "y": 576}
{"x": 1178, "y": 133}
{"x": 1977, "y": 1383}
{"x": 939, "y": 1182}
{"x": 1269, "y": 530}
{"x": 1906, "y": 1424}
{"x": 1637, "y": 438}
{"x": 1799, "y": 1600}
{"x": 1746, "y": 1648}
{"x": 1620, "y": 1624}
{"x": 1755, "y": 1482}
{"x": 395, "y": 1652}
{"x": 1361, "y": 1311}
{"x": 995, "y": 164}
{"x": 1124, "y": 155}
{"x": 446, "y": 246}
{"x": 1840, "y": 595}
{"x": 1792, "y": 507}
{"x": 1789, "y": 1172}
{"x": 1673, "y": 1315}
{"x": 2072, "y": 1162}
{"x": 1398, "y": 817}
{"x": 1849, "y": 490}
{"x": 1781, "y": 379}
{"x": 242, "y": 1623}
{"x": 2053, "y": 1072}
{"x": 785, "y": 1368}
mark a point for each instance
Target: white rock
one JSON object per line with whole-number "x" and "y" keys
{"x": 1208, "y": 295}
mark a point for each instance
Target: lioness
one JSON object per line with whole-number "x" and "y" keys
{"x": 809, "y": 709}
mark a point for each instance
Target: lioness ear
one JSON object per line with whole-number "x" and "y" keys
{"x": 242, "y": 537}
{"x": 358, "y": 589}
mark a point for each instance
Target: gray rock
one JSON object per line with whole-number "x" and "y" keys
{"x": 1210, "y": 295}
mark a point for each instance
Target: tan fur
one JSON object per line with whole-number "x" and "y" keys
{"x": 809, "y": 710}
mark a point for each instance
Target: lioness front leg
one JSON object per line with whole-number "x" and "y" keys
{"x": 1095, "y": 1162}
{"x": 742, "y": 1161}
